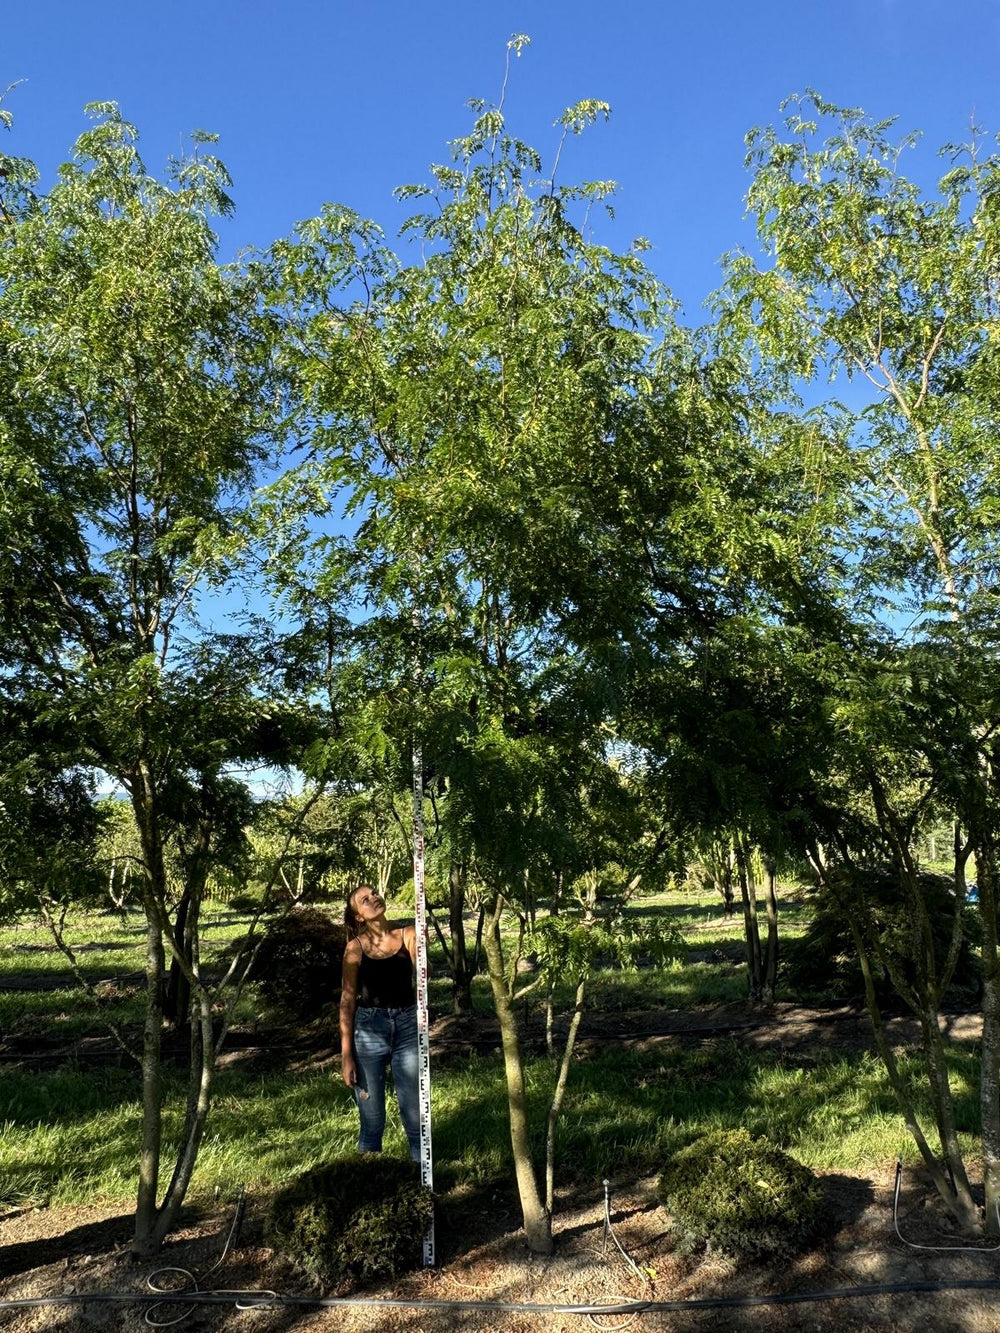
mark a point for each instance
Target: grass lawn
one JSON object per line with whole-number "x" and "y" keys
{"x": 70, "y": 1135}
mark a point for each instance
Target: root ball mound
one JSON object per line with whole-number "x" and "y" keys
{"x": 739, "y": 1195}
{"x": 355, "y": 1220}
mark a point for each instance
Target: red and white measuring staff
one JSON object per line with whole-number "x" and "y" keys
{"x": 423, "y": 1032}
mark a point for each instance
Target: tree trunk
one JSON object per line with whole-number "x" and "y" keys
{"x": 926, "y": 991}
{"x": 941, "y": 1181}
{"x": 200, "y": 1079}
{"x": 557, "y": 1098}
{"x": 143, "y": 1244}
{"x": 537, "y": 1220}
{"x": 944, "y": 1117}
{"x": 950, "y": 1179}
{"x": 771, "y": 952}
{"x": 724, "y": 883}
{"x": 152, "y": 1223}
{"x": 144, "y": 803}
{"x": 989, "y": 1078}
{"x": 462, "y": 972}
{"x": 177, "y": 993}
{"x": 751, "y": 929}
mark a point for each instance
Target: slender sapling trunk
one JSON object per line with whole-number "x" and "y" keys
{"x": 537, "y": 1220}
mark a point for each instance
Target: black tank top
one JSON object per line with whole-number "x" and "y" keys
{"x": 386, "y": 983}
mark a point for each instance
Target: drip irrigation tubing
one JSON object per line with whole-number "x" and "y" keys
{"x": 941, "y": 1249}
{"x": 259, "y": 1300}
{"x": 249, "y": 1299}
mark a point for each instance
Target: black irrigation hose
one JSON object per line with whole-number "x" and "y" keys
{"x": 245, "y": 1299}
{"x": 941, "y": 1249}
{"x": 259, "y": 1300}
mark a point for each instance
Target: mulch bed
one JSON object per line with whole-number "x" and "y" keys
{"x": 482, "y": 1259}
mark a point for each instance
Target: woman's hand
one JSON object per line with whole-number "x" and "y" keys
{"x": 349, "y": 1070}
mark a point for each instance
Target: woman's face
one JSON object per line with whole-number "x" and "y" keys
{"x": 366, "y": 904}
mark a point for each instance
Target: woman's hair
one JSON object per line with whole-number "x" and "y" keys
{"x": 354, "y": 926}
{"x": 350, "y": 920}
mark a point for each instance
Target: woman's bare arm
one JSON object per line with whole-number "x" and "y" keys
{"x": 348, "y": 1004}
{"x": 410, "y": 940}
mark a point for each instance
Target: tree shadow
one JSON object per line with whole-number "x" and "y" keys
{"x": 108, "y": 1234}
{"x": 844, "y": 1201}
{"x": 686, "y": 912}
{"x": 21, "y": 976}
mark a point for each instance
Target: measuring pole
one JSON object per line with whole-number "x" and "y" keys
{"x": 423, "y": 1032}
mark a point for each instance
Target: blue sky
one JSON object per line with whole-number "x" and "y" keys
{"x": 332, "y": 101}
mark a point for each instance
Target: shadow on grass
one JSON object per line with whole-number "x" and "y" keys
{"x": 20, "y": 979}
{"x": 71, "y": 1134}
{"x": 685, "y": 913}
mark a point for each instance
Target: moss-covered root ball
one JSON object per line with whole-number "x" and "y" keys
{"x": 355, "y": 1220}
{"x": 739, "y": 1195}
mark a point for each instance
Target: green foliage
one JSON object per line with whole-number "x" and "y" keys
{"x": 825, "y": 958}
{"x": 49, "y": 825}
{"x": 461, "y": 407}
{"x": 731, "y": 1192}
{"x": 138, "y": 405}
{"x": 355, "y": 1220}
{"x": 297, "y": 968}
{"x": 871, "y": 277}
{"x": 137, "y": 369}
{"x": 570, "y": 947}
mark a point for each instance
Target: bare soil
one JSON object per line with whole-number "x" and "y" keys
{"x": 783, "y": 1027}
{"x": 780, "y": 1027}
{"x": 482, "y": 1260}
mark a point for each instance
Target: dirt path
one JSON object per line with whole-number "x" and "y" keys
{"x": 780, "y": 1027}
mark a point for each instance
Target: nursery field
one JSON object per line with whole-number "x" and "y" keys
{"x": 665, "y": 1054}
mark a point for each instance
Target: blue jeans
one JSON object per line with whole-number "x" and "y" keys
{"x": 384, "y": 1037}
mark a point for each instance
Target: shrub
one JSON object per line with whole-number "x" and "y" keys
{"x": 825, "y": 959}
{"x": 730, "y": 1192}
{"x": 298, "y": 966}
{"x": 356, "y": 1219}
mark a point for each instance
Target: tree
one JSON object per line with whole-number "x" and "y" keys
{"x": 891, "y": 291}
{"x": 734, "y": 733}
{"x": 138, "y": 406}
{"x": 464, "y": 412}
{"x": 49, "y": 826}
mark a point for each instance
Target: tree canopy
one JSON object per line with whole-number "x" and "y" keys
{"x": 624, "y": 586}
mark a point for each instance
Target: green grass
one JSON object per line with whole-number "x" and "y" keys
{"x": 39, "y": 996}
{"x": 71, "y": 1135}
{"x": 715, "y": 973}
{"x": 108, "y": 949}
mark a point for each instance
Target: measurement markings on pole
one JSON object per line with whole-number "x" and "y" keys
{"x": 423, "y": 1024}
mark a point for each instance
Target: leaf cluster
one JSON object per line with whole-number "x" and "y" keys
{"x": 825, "y": 957}
{"x": 570, "y": 947}
{"x": 297, "y": 963}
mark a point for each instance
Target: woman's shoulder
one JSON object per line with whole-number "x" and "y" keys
{"x": 352, "y": 951}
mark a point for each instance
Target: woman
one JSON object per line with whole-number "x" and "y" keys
{"x": 378, "y": 1018}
